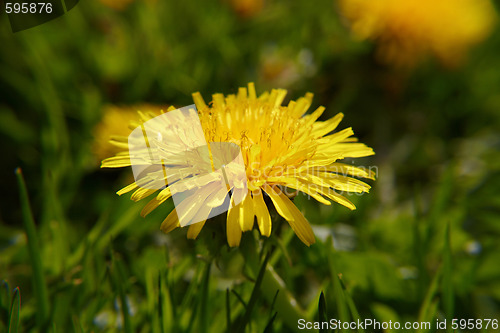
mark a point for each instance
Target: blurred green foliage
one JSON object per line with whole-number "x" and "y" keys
{"x": 424, "y": 244}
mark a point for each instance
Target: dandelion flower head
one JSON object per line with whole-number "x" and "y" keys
{"x": 285, "y": 150}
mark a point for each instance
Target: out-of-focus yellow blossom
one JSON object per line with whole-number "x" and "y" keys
{"x": 407, "y": 31}
{"x": 111, "y": 125}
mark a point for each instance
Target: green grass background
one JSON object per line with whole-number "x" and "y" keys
{"x": 423, "y": 245}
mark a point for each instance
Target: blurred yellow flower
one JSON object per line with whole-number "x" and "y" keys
{"x": 409, "y": 30}
{"x": 111, "y": 125}
{"x": 284, "y": 150}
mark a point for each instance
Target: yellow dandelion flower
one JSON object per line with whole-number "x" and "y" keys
{"x": 409, "y": 30}
{"x": 283, "y": 149}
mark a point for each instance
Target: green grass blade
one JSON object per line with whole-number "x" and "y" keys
{"x": 193, "y": 296}
{"x": 118, "y": 280}
{"x": 350, "y": 303}
{"x": 322, "y": 311}
{"x": 127, "y": 326}
{"x": 40, "y": 288}
{"x": 5, "y": 301}
{"x": 427, "y": 310}
{"x": 345, "y": 302}
{"x": 240, "y": 299}
{"x": 228, "y": 311}
{"x": 14, "y": 312}
{"x": 269, "y": 326}
{"x": 4, "y": 293}
{"x": 342, "y": 307}
{"x": 255, "y": 294}
{"x": 418, "y": 244}
{"x": 166, "y": 308}
{"x": 272, "y": 315}
{"x": 204, "y": 299}
{"x": 447, "y": 282}
{"x": 287, "y": 306}
{"x": 273, "y": 303}
{"x": 160, "y": 303}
